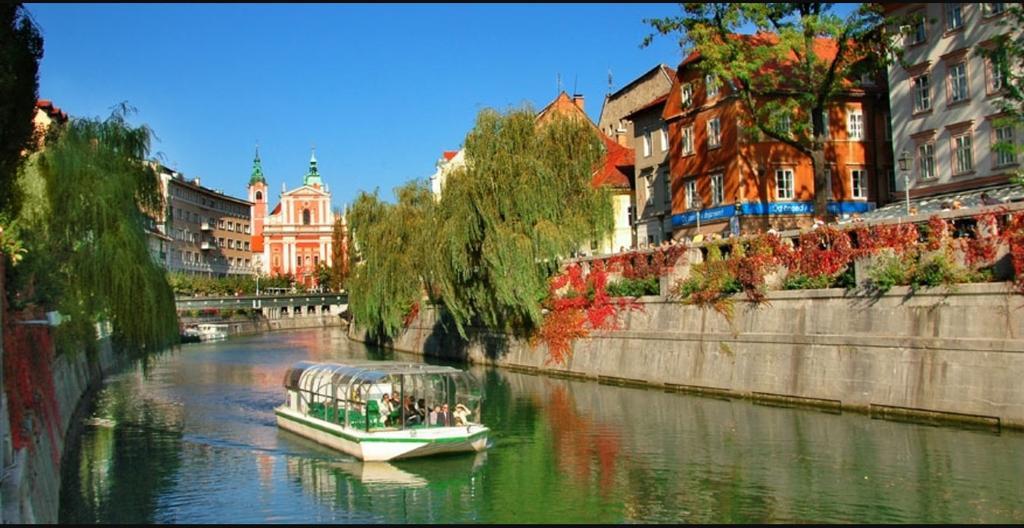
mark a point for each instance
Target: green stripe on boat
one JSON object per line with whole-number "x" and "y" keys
{"x": 357, "y": 439}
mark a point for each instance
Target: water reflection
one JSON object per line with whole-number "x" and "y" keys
{"x": 194, "y": 440}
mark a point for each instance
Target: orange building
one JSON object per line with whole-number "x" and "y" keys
{"x": 294, "y": 238}
{"x": 722, "y": 179}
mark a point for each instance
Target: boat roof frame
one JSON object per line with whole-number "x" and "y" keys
{"x": 372, "y": 371}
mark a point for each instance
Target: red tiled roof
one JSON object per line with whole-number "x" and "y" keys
{"x": 55, "y": 113}
{"x": 449, "y": 154}
{"x": 276, "y": 210}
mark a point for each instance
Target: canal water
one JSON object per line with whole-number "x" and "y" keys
{"x": 192, "y": 438}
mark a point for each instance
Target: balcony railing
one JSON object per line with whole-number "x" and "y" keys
{"x": 206, "y": 227}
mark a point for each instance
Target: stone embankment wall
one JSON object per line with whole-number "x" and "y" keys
{"x": 947, "y": 355}
{"x": 253, "y": 326}
{"x": 31, "y": 484}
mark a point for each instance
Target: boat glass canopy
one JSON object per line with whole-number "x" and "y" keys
{"x": 353, "y": 394}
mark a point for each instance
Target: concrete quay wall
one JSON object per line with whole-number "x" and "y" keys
{"x": 32, "y": 477}
{"x": 935, "y": 354}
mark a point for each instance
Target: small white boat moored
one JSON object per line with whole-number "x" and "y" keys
{"x": 349, "y": 407}
{"x": 208, "y": 331}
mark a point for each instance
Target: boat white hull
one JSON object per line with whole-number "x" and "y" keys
{"x": 385, "y": 445}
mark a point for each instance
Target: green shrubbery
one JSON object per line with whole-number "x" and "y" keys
{"x": 627, "y": 287}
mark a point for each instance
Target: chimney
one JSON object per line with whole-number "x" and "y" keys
{"x": 577, "y": 99}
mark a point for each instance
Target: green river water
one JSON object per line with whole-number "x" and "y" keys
{"x": 192, "y": 438}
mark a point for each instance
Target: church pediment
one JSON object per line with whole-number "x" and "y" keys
{"x": 306, "y": 190}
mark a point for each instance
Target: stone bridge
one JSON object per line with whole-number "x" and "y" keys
{"x": 271, "y": 306}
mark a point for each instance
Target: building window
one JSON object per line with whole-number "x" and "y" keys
{"x": 688, "y": 140}
{"x": 958, "y": 82}
{"x": 784, "y": 184}
{"x": 918, "y": 35}
{"x": 220, "y": 242}
{"x": 1005, "y": 148}
{"x": 686, "y": 94}
{"x": 298, "y": 261}
{"x": 828, "y": 184}
{"x": 995, "y": 71}
{"x": 994, "y": 8}
{"x": 717, "y": 189}
{"x": 711, "y": 84}
{"x": 963, "y": 154}
{"x": 784, "y": 124}
{"x": 247, "y": 246}
{"x": 649, "y": 186}
{"x": 714, "y": 131}
{"x": 259, "y": 196}
{"x": 855, "y": 125}
{"x": 664, "y": 138}
{"x": 305, "y": 217}
{"x": 666, "y": 179}
{"x": 692, "y": 199}
{"x": 954, "y": 20}
{"x": 231, "y": 244}
{"x": 926, "y": 161}
{"x": 922, "y": 93}
{"x": 246, "y": 262}
{"x": 859, "y": 183}
{"x": 824, "y": 123}
{"x": 647, "y": 143}
{"x": 316, "y": 260}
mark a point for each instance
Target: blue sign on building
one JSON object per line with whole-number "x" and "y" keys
{"x": 770, "y": 208}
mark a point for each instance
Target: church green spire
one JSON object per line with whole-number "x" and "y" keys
{"x": 312, "y": 177}
{"x": 257, "y": 170}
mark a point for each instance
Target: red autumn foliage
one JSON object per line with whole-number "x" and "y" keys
{"x": 414, "y": 311}
{"x": 28, "y": 380}
{"x": 585, "y": 306}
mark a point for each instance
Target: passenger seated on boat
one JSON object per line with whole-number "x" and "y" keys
{"x": 435, "y": 415}
{"x": 421, "y": 409}
{"x": 385, "y": 409}
{"x": 461, "y": 414}
{"x": 445, "y": 418}
{"x": 395, "y": 416}
{"x": 411, "y": 416}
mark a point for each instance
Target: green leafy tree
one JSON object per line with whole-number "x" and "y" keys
{"x": 95, "y": 250}
{"x": 522, "y": 202}
{"x": 395, "y": 240}
{"x": 1006, "y": 51}
{"x": 339, "y": 270}
{"x": 21, "y": 47}
{"x": 783, "y": 81}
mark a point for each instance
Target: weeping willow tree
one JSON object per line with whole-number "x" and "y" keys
{"x": 391, "y": 242}
{"x": 92, "y": 188}
{"x": 522, "y": 202}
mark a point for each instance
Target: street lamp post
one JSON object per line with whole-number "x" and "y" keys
{"x": 904, "y": 162}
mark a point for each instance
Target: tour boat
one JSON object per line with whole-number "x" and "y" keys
{"x": 212, "y": 331}
{"x": 343, "y": 407}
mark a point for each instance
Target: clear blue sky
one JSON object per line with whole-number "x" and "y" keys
{"x": 381, "y": 90}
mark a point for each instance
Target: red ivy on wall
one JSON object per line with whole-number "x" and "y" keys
{"x": 578, "y": 301}
{"x": 28, "y": 381}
